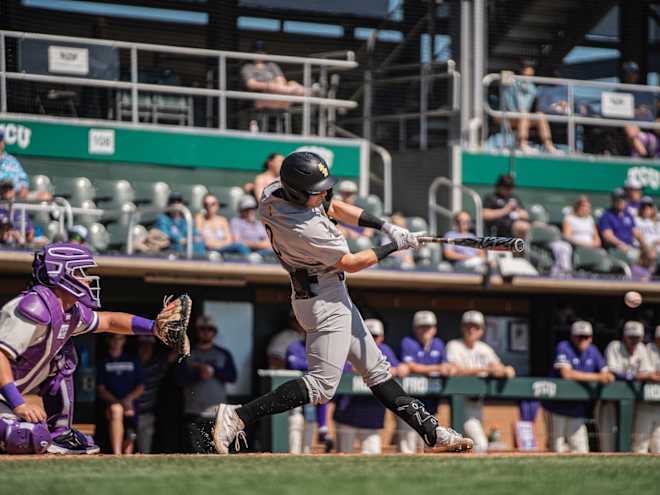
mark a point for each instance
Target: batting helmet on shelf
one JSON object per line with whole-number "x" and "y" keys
{"x": 304, "y": 173}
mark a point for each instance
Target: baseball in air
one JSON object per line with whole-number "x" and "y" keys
{"x": 632, "y": 299}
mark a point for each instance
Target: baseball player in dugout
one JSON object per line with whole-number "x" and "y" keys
{"x": 473, "y": 357}
{"x": 37, "y": 355}
{"x": 298, "y": 212}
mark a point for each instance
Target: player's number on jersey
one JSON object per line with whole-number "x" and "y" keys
{"x": 271, "y": 237}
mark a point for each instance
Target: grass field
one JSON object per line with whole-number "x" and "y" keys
{"x": 316, "y": 475}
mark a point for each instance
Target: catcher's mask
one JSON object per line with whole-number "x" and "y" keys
{"x": 64, "y": 265}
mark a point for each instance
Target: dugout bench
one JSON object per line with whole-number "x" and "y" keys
{"x": 456, "y": 389}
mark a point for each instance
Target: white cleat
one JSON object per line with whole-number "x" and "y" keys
{"x": 452, "y": 441}
{"x": 228, "y": 428}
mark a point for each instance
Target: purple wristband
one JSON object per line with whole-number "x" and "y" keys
{"x": 12, "y": 395}
{"x": 142, "y": 326}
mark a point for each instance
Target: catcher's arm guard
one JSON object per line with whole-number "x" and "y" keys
{"x": 172, "y": 324}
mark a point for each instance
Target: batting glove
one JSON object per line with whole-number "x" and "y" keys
{"x": 395, "y": 232}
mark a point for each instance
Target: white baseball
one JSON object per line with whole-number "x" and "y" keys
{"x": 632, "y": 299}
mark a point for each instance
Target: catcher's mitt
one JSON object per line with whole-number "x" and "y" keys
{"x": 172, "y": 323}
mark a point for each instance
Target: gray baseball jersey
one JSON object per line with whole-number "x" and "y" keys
{"x": 306, "y": 239}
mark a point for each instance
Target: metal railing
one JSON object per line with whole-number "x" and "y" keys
{"x": 135, "y": 213}
{"x": 571, "y": 118}
{"x": 221, "y": 92}
{"x": 436, "y": 209}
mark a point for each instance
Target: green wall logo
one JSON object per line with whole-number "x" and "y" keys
{"x": 647, "y": 176}
{"x": 17, "y": 134}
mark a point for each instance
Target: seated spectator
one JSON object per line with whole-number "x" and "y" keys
{"x": 204, "y": 376}
{"x": 249, "y": 231}
{"x": 504, "y": 214}
{"x": 618, "y": 230}
{"x": 404, "y": 258}
{"x": 579, "y": 226}
{"x": 119, "y": 384}
{"x": 647, "y": 223}
{"x": 628, "y": 360}
{"x": 12, "y": 171}
{"x": 12, "y": 223}
{"x": 347, "y": 191}
{"x": 215, "y": 230}
{"x": 641, "y": 142}
{"x": 173, "y": 224}
{"x": 633, "y": 190}
{"x": 360, "y": 416}
{"x": 267, "y": 77}
{"x": 473, "y": 357}
{"x": 272, "y": 167}
{"x": 78, "y": 234}
{"x": 462, "y": 256}
{"x": 425, "y": 355}
{"x": 653, "y": 432}
{"x": 520, "y": 97}
{"x": 581, "y": 361}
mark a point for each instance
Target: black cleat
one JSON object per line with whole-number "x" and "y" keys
{"x": 73, "y": 442}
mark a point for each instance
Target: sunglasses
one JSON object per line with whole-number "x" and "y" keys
{"x": 583, "y": 337}
{"x": 211, "y": 203}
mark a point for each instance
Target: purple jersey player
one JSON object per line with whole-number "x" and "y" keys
{"x": 37, "y": 356}
{"x": 360, "y": 416}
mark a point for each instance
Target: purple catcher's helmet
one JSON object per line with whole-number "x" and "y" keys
{"x": 63, "y": 265}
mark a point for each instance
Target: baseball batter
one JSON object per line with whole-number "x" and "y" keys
{"x": 37, "y": 356}
{"x": 297, "y": 212}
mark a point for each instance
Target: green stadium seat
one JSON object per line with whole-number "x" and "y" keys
{"x": 75, "y": 189}
{"x": 99, "y": 238}
{"x": 417, "y": 224}
{"x": 538, "y": 213}
{"x": 372, "y": 204}
{"x": 118, "y": 233}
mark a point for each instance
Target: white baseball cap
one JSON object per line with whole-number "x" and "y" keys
{"x": 348, "y": 187}
{"x": 375, "y": 327}
{"x": 657, "y": 332}
{"x": 474, "y": 317}
{"x": 247, "y": 202}
{"x": 633, "y": 329}
{"x": 424, "y": 318}
{"x": 581, "y": 328}
{"x": 632, "y": 184}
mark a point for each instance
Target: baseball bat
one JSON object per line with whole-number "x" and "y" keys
{"x": 513, "y": 244}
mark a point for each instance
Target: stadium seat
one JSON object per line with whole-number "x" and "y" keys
{"x": 372, "y": 204}
{"x": 540, "y": 252}
{"x": 117, "y": 234}
{"x": 193, "y": 195}
{"x": 75, "y": 189}
{"x": 538, "y": 213}
{"x": 42, "y": 183}
{"x": 151, "y": 193}
{"x": 99, "y": 238}
{"x": 228, "y": 196}
{"x": 359, "y": 244}
{"x": 87, "y": 220}
{"x": 114, "y": 193}
{"x": 417, "y": 224}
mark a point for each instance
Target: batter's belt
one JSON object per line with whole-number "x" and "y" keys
{"x": 302, "y": 280}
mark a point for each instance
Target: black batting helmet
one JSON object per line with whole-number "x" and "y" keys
{"x": 304, "y": 173}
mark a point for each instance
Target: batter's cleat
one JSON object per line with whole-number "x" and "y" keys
{"x": 228, "y": 428}
{"x": 73, "y": 442}
{"x": 451, "y": 441}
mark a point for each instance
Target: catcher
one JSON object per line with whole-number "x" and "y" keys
{"x": 38, "y": 358}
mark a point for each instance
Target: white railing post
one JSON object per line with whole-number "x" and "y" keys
{"x": 222, "y": 98}
{"x": 134, "y": 89}
{"x": 307, "y": 111}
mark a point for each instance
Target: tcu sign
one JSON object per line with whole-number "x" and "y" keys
{"x": 544, "y": 389}
{"x": 17, "y": 134}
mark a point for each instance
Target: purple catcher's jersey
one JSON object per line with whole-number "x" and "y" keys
{"x": 363, "y": 411}
{"x": 567, "y": 356}
{"x": 32, "y": 347}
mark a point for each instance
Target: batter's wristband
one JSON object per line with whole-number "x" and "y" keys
{"x": 384, "y": 251}
{"x": 142, "y": 326}
{"x": 371, "y": 221}
{"x": 12, "y": 395}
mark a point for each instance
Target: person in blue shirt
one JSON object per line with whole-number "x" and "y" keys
{"x": 362, "y": 416}
{"x": 618, "y": 231}
{"x": 119, "y": 384}
{"x": 579, "y": 360}
{"x": 12, "y": 170}
{"x": 425, "y": 355}
{"x": 173, "y": 224}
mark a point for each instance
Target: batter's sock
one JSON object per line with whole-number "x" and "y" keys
{"x": 287, "y": 396}
{"x": 409, "y": 409}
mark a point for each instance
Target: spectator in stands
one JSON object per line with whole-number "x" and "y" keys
{"x": 618, "y": 230}
{"x": 461, "y": 256}
{"x": 504, "y": 213}
{"x": 347, "y": 191}
{"x": 267, "y": 77}
{"x": 520, "y": 97}
{"x": 629, "y": 360}
{"x": 633, "y": 190}
{"x": 11, "y": 170}
{"x": 360, "y": 416}
{"x": 13, "y": 232}
{"x": 579, "y": 226}
{"x": 473, "y": 357}
{"x": 425, "y": 355}
{"x": 405, "y": 258}
{"x": 647, "y": 222}
{"x": 272, "y": 167}
{"x": 249, "y": 231}
{"x": 78, "y": 234}
{"x": 173, "y": 224}
{"x": 642, "y": 143}
{"x": 653, "y": 349}
{"x": 154, "y": 367}
{"x": 278, "y": 344}
{"x": 119, "y": 384}
{"x": 204, "y": 376}
{"x": 579, "y": 360}
{"x": 215, "y": 229}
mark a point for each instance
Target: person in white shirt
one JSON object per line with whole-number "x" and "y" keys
{"x": 629, "y": 360}
{"x": 653, "y": 349}
{"x": 472, "y": 357}
{"x": 647, "y": 222}
{"x": 579, "y": 227}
